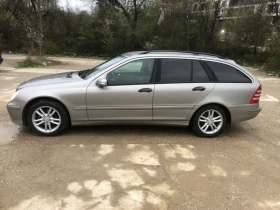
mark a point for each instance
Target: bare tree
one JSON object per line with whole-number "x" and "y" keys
{"x": 40, "y": 37}
{"x": 131, "y": 9}
{"x": 275, "y": 12}
{"x": 209, "y": 17}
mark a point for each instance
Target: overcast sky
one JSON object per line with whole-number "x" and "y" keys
{"x": 75, "y": 4}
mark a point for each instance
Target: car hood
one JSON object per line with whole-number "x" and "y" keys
{"x": 50, "y": 79}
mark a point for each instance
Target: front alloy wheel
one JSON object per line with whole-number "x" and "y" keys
{"x": 209, "y": 121}
{"x": 47, "y": 118}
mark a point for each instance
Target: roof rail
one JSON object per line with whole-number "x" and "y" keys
{"x": 190, "y": 52}
{"x": 150, "y": 51}
{"x": 202, "y": 53}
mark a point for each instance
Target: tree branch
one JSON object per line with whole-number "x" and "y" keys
{"x": 34, "y": 6}
{"x": 119, "y": 5}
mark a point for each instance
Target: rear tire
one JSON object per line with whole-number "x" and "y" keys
{"x": 209, "y": 121}
{"x": 47, "y": 118}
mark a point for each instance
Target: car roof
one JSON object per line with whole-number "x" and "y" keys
{"x": 191, "y": 54}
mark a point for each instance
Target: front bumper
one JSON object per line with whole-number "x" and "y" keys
{"x": 15, "y": 112}
{"x": 244, "y": 112}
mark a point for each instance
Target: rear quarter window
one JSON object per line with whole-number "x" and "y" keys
{"x": 227, "y": 74}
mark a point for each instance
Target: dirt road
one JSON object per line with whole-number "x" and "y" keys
{"x": 138, "y": 167}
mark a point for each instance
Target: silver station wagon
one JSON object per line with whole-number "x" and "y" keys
{"x": 202, "y": 90}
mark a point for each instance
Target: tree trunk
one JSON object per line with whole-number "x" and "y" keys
{"x": 133, "y": 27}
{"x": 40, "y": 29}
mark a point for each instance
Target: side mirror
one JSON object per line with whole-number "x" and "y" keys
{"x": 101, "y": 83}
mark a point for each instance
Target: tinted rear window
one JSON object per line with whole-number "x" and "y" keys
{"x": 175, "y": 70}
{"x": 199, "y": 74}
{"x": 227, "y": 74}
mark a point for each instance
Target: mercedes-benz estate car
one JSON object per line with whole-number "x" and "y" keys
{"x": 204, "y": 91}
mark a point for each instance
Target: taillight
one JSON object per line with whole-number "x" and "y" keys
{"x": 256, "y": 97}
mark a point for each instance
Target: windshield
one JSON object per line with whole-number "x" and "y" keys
{"x": 91, "y": 72}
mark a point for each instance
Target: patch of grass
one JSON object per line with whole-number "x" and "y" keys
{"x": 29, "y": 63}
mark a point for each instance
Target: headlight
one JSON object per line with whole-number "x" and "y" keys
{"x": 14, "y": 95}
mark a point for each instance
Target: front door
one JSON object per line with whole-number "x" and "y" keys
{"x": 180, "y": 85}
{"x": 127, "y": 96}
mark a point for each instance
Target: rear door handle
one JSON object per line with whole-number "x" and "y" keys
{"x": 200, "y": 88}
{"x": 145, "y": 90}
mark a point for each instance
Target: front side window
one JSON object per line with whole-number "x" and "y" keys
{"x": 227, "y": 74}
{"x": 175, "y": 70}
{"x": 133, "y": 73}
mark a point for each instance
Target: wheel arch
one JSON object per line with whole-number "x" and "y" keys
{"x": 228, "y": 114}
{"x": 37, "y": 99}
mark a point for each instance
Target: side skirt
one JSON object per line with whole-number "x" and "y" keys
{"x": 128, "y": 122}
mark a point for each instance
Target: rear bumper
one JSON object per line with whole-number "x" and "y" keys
{"x": 245, "y": 112}
{"x": 1, "y": 60}
{"x": 15, "y": 112}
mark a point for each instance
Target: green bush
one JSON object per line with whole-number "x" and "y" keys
{"x": 51, "y": 48}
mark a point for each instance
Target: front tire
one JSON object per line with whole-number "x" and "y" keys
{"x": 47, "y": 118}
{"x": 209, "y": 121}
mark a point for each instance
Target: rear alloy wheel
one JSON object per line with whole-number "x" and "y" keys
{"x": 209, "y": 121}
{"x": 47, "y": 118}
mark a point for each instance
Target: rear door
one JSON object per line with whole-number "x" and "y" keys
{"x": 180, "y": 85}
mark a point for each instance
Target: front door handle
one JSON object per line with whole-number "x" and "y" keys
{"x": 145, "y": 90}
{"x": 200, "y": 88}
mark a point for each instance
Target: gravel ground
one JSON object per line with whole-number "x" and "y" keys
{"x": 138, "y": 167}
